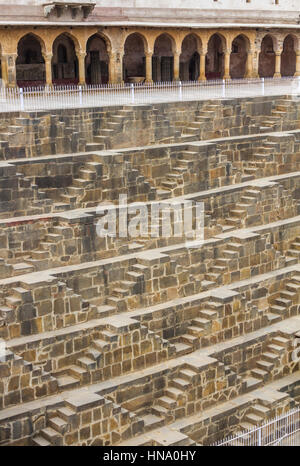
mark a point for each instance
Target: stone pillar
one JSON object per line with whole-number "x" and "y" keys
{"x": 111, "y": 67}
{"x": 176, "y": 66}
{"x": 115, "y": 67}
{"x": 202, "y": 76}
{"x": 277, "y": 73}
{"x": 227, "y": 65}
{"x": 297, "y": 72}
{"x": 149, "y": 67}
{"x": 255, "y": 64}
{"x": 250, "y": 65}
{"x": 8, "y": 67}
{"x": 81, "y": 67}
{"x": 48, "y": 68}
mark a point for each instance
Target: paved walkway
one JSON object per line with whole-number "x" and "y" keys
{"x": 74, "y": 97}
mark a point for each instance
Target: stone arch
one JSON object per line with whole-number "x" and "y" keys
{"x": 163, "y": 58}
{"x": 64, "y": 60}
{"x": 214, "y": 62}
{"x": 288, "y": 56}
{"x": 267, "y": 57}
{"x": 30, "y": 63}
{"x": 134, "y": 60}
{"x": 240, "y": 47}
{"x": 190, "y": 58}
{"x": 97, "y": 60}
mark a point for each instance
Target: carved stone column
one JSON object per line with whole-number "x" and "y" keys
{"x": 202, "y": 76}
{"x": 227, "y": 64}
{"x": 176, "y": 66}
{"x": 277, "y": 73}
{"x": 48, "y": 68}
{"x": 249, "y": 64}
{"x": 149, "y": 67}
{"x": 8, "y": 68}
{"x": 81, "y": 67}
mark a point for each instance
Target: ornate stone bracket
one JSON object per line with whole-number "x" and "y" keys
{"x": 78, "y": 9}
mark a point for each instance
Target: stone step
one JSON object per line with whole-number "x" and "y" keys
{"x": 39, "y": 255}
{"x": 260, "y": 410}
{"x": 281, "y": 310}
{"x": 66, "y": 413}
{"x": 208, "y": 314}
{"x": 101, "y": 345}
{"x": 51, "y": 435}
{"x": 53, "y": 237}
{"x": 166, "y": 402}
{"x": 105, "y": 310}
{"x": 196, "y": 331}
{"x": 22, "y": 268}
{"x": 40, "y": 441}
{"x": 120, "y": 292}
{"x": 188, "y": 374}
{"x": 108, "y": 336}
{"x": 75, "y": 191}
{"x": 66, "y": 382}
{"x": 271, "y": 357}
{"x": 265, "y": 365}
{"x": 58, "y": 424}
{"x": 93, "y": 354}
{"x": 260, "y": 374}
{"x": 288, "y": 294}
{"x": 182, "y": 348}
{"x": 281, "y": 341}
{"x": 174, "y": 393}
{"x": 87, "y": 363}
{"x": 276, "y": 348}
{"x": 293, "y": 287}
{"x": 77, "y": 372}
{"x": 252, "y": 383}
{"x": 202, "y": 323}
{"x": 81, "y": 183}
{"x": 255, "y": 419}
{"x": 88, "y": 174}
{"x": 273, "y": 318}
{"x": 181, "y": 384}
{"x": 160, "y": 411}
{"x": 152, "y": 422}
{"x": 293, "y": 252}
{"x": 234, "y": 222}
{"x": 283, "y": 302}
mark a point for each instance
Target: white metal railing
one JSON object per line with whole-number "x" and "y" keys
{"x": 73, "y": 96}
{"x": 283, "y": 430}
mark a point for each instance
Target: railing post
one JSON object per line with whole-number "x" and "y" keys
{"x": 132, "y": 92}
{"x": 263, "y": 86}
{"x": 180, "y": 90}
{"x": 223, "y": 88}
{"x": 80, "y": 95}
{"x": 259, "y": 437}
{"x": 21, "y": 99}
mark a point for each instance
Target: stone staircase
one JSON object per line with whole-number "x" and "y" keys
{"x": 121, "y": 297}
{"x": 270, "y": 358}
{"x": 199, "y": 327}
{"x": 175, "y": 181}
{"x": 175, "y": 395}
{"x": 249, "y": 200}
{"x": 280, "y": 306}
{"x": 88, "y": 175}
{"x": 256, "y": 415}
{"x": 275, "y": 120}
